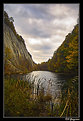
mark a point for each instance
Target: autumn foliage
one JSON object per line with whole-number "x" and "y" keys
{"x": 65, "y": 58}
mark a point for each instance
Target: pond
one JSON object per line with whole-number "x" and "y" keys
{"x": 50, "y": 82}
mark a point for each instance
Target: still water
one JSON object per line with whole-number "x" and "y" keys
{"x": 50, "y": 82}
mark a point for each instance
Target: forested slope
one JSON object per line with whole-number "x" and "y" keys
{"x": 65, "y": 58}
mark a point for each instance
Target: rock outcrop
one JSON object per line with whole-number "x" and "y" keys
{"x": 16, "y": 57}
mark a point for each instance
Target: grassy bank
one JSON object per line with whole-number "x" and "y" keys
{"x": 19, "y": 100}
{"x": 70, "y": 98}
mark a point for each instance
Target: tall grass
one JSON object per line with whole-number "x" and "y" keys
{"x": 19, "y": 100}
{"x": 70, "y": 98}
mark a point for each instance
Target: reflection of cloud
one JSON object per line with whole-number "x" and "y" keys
{"x": 43, "y": 26}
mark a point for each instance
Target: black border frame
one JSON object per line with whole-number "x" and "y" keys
{"x": 2, "y": 50}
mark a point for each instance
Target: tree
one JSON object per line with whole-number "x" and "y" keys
{"x": 65, "y": 58}
{"x": 11, "y": 19}
{"x": 72, "y": 58}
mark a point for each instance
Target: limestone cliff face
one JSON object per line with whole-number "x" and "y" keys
{"x": 16, "y": 57}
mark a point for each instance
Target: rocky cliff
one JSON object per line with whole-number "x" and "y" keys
{"x": 16, "y": 57}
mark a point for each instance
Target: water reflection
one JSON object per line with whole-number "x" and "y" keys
{"x": 48, "y": 81}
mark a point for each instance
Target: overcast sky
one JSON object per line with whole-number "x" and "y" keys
{"x": 43, "y": 26}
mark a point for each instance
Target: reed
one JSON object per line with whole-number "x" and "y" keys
{"x": 19, "y": 100}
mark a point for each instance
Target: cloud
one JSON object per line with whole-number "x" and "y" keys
{"x": 43, "y": 26}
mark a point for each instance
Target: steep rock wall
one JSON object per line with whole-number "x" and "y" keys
{"x": 16, "y": 57}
